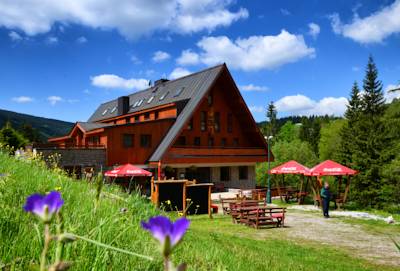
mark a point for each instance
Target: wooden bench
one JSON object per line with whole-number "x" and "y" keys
{"x": 235, "y": 209}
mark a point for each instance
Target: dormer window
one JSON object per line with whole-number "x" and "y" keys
{"x": 104, "y": 112}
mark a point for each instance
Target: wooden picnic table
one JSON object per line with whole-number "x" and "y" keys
{"x": 261, "y": 215}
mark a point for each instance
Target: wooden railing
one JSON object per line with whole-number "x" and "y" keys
{"x": 67, "y": 146}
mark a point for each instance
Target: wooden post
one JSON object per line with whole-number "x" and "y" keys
{"x": 347, "y": 189}
{"x": 184, "y": 199}
{"x": 209, "y": 202}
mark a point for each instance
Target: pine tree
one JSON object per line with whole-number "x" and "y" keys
{"x": 10, "y": 137}
{"x": 271, "y": 127}
{"x": 369, "y": 141}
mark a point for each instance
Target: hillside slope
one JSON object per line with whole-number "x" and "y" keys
{"x": 46, "y": 127}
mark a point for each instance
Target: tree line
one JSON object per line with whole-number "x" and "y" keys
{"x": 366, "y": 138}
{"x": 18, "y": 138}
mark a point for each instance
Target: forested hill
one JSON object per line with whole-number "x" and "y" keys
{"x": 44, "y": 126}
{"x": 297, "y": 119}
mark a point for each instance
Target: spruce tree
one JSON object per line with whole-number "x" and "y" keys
{"x": 271, "y": 127}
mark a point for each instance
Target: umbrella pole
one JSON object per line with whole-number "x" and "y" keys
{"x": 301, "y": 190}
{"x": 129, "y": 186}
{"x": 347, "y": 189}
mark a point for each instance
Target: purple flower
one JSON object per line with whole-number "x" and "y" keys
{"x": 44, "y": 206}
{"x": 166, "y": 232}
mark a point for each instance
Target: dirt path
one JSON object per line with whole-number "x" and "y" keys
{"x": 375, "y": 247}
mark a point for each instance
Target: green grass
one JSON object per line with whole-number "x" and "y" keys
{"x": 215, "y": 244}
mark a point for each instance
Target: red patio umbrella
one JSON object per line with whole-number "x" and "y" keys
{"x": 127, "y": 170}
{"x": 291, "y": 167}
{"x": 331, "y": 168}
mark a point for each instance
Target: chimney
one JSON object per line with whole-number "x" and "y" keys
{"x": 123, "y": 105}
{"x": 160, "y": 81}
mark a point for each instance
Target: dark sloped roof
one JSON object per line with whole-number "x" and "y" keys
{"x": 192, "y": 85}
{"x": 89, "y": 126}
{"x": 202, "y": 84}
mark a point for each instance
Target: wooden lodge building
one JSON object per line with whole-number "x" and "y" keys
{"x": 197, "y": 127}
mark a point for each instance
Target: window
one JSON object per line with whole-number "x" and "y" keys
{"x": 147, "y": 116}
{"x": 128, "y": 140}
{"x": 223, "y": 142}
{"x": 156, "y": 115}
{"x": 150, "y": 99}
{"x": 210, "y": 99}
{"x": 135, "y": 104}
{"x": 217, "y": 123}
{"x": 236, "y": 142}
{"x": 225, "y": 173}
{"x": 203, "y": 119}
{"x": 128, "y": 120}
{"x": 181, "y": 141}
{"x": 243, "y": 173}
{"x": 137, "y": 118}
{"x": 104, "y": 112}
{"x": 140, "y": 102}
{"x": 210, "y": 141}
{"x": 190, "y": 124}
{"x": 179, "y": 91}
{"x": 230, "y": 123}
{"x": 113, "y": 110}
{"x": 164, "y": 95}
{"x": 145, "y": 141}
{"x": 94, "y": 140}
{"x": 197, "y": 141}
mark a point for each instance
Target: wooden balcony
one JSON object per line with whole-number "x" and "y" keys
{"x": 197, "y": 154}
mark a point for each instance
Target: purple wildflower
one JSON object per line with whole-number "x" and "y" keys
{"x": 166, "y": 232}
{"x": 44, "y": 206}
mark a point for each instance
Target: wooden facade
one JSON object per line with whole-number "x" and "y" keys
{"x": 209, "y": 127}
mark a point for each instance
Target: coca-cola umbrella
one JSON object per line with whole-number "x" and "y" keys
{"x": 292, "y": 167}
{"x": 332, "y": 168}
{"x": 128, "y": 170}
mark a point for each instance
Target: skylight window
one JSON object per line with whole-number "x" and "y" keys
{"x": 104, "y": 112}
{"x": 179, "y": 91}
{"x": 140, "y": 102}
{"x": 150, "y": 99}
{"x": 164, "y": 95}
{"x": 113, "y": 110}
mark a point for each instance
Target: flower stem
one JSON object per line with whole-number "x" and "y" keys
{"x": 47, "y": 239}
{"x": 166, "y": 264}
{"x": 60, "y": 244}
{"x": 113, "y": 248}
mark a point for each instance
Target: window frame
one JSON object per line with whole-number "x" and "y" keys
{"x": 145, "y": 138}
{"x": 125, "y": 140}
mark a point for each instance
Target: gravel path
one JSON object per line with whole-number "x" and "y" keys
{"x": 375, "y": 247}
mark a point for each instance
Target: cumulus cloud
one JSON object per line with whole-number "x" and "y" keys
{"x": 81, "y": 40}
{"x": 178, "y": 72}
{"x": 131, "y": 18}
{"x": 314, "y": 30}
{"x": 160, "y": 56}
{"x": 52, "y": 40}
{"x": 22, "y": 99}
{"x": 188, "y": 57}
{"x": 390, "y": 95}
{"x": 14, "y": 36}
{"x": 371, "y": 29}
{"x": 114, "y": 81}
{"x": 303, "y": 105}
{"x": 254, "y": 52}
{"x": 256, "y": 109}
{"x": 54, "y": 99}
{"x": 251, "y": 87}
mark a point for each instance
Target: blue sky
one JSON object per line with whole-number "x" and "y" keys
{"x": 61, "y": 59}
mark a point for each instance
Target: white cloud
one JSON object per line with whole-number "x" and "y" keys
{"x": 303, "y": 105}
{"x": 54, "y": 99}
{"x": 178, "y": 72}
{"x": 255, "y": 52}
{"x": 14, "y": 36}
{"x": 52, "y": 40}
{"x": 285, "y": 12}
{"x": 389, "y": 95}
{"x": 355, "y": 69}
{"x": 251, "y": 87}
{"x": 135, "y": 60}
{"x": 114, "y": 81}
{"x": 81, "y": 40}
{"x": 131, "y": 18}
{"x": 188, "y": 57}
{"x": 256, "y": 109}
{"x": 160, "y": 56}
{"x": 314, "y": 30}
{"x": 22, "y": 99}
{"x": 371, "y": 29}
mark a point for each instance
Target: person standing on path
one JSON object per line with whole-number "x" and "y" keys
{"x": 326, "y": 197}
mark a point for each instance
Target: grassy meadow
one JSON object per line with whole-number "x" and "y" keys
{"x": 215, "y": 244}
